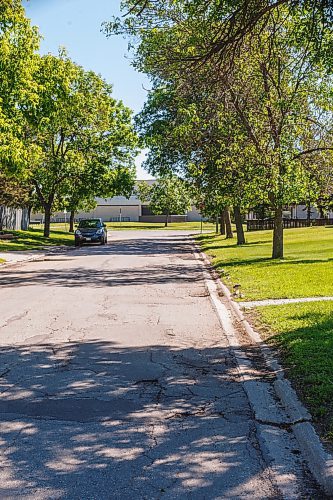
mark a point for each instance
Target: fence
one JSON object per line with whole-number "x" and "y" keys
{"x": 324, "y": 222}
{"x": 61, "y": 220}
{"x": 118, "y": 219}
{"x": 261, "y": 224}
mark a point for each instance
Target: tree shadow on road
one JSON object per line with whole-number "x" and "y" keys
{"x": 92, "y": 420}
{"x": 72, "y": 274}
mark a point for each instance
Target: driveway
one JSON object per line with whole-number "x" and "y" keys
{"x": 117, "y": 381}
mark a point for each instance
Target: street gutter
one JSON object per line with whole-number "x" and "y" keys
{"x": 319, "y": 461}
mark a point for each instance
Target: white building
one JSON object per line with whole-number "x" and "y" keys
{"x": 125, "y": 209}
{"x": 295, "y": 211}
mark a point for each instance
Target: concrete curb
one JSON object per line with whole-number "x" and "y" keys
{"x": 22, "y": 261}
{"x": 319, "y": 461}
{"x": 46, "y": 251}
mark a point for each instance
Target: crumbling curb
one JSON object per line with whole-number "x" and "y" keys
{"x": 38, "y": 256}
{"x": 319, "y": 461}
{"x": 22, "y": 261}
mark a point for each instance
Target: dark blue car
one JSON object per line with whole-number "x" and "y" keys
{"x": 91, "y": 231}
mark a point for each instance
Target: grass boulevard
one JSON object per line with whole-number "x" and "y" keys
{"x": 301, "y": 332}
{"x": 34, "y": 240}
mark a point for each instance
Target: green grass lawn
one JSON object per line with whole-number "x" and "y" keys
{"x": 304, "y": 335}
{"x": 303, "y": 332}
{"x": 306, "y": 271}
{"x": 34, "y": 239}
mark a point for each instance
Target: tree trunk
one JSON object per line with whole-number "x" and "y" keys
{"x": 217, "y": 224}
{"x": 278, "y": 234}
{"x": 166, "y": 220}
{"x": 239, "y": 226}
{"x": 222, "y": 223}
{"x": 71, "y": 221}
{"x": 229, "y": 233}
{"x": 47, "y": 219}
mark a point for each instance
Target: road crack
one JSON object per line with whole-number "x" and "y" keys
{"x": 12, "y": 319}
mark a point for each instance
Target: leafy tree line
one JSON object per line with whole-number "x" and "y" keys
{"x": 64, "y": 139}
{"x": 241, "y": 99}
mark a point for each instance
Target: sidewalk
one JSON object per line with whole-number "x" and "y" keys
{"x": 17, "y": 257}
{"x": 12, "y": 258}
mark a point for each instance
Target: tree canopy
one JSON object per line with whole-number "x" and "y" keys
{"x": 241, "y": 100}
{"x": 19, "y": 42}
{"x": 64, "y": 139}
{"x": 85, "y": 138}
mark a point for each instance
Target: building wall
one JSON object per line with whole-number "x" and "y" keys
{"x": 194, "y": 215}
{"x": 109, "y": 210}
{"x": 296, "y": 212}
{"x": 161, "y": 218}
{"x": 13, "y": 218}
{"x": 300, "y": 212}
{"x": 109, "y": 213}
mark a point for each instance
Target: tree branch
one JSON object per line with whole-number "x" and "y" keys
{"x": 313, "y": 150}
{"x": 39, "y": 193}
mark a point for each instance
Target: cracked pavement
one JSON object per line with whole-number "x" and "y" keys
{"x": 118, "y": 381}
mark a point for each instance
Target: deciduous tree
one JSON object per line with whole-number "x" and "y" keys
{"x": 167, "y": 196}
{"x": 19, "y": 42}
{"x": 272, "y": 85}
{"x": 80, "y": 131}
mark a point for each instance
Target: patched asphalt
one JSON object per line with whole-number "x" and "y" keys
{"x": 118, "y": 381}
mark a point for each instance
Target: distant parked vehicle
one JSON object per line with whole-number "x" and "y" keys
{"x": 91, "y": 231}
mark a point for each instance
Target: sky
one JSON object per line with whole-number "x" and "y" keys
{"x": 76, "y": 25}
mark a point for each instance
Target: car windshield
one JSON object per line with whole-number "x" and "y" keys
{"x": 91, "y": 223}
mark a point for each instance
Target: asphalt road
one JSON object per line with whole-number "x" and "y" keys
{"x": 117, "y": 381}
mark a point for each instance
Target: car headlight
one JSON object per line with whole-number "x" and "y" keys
{"x": 99, "y": 231}
{"x": 78, "y": 232}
